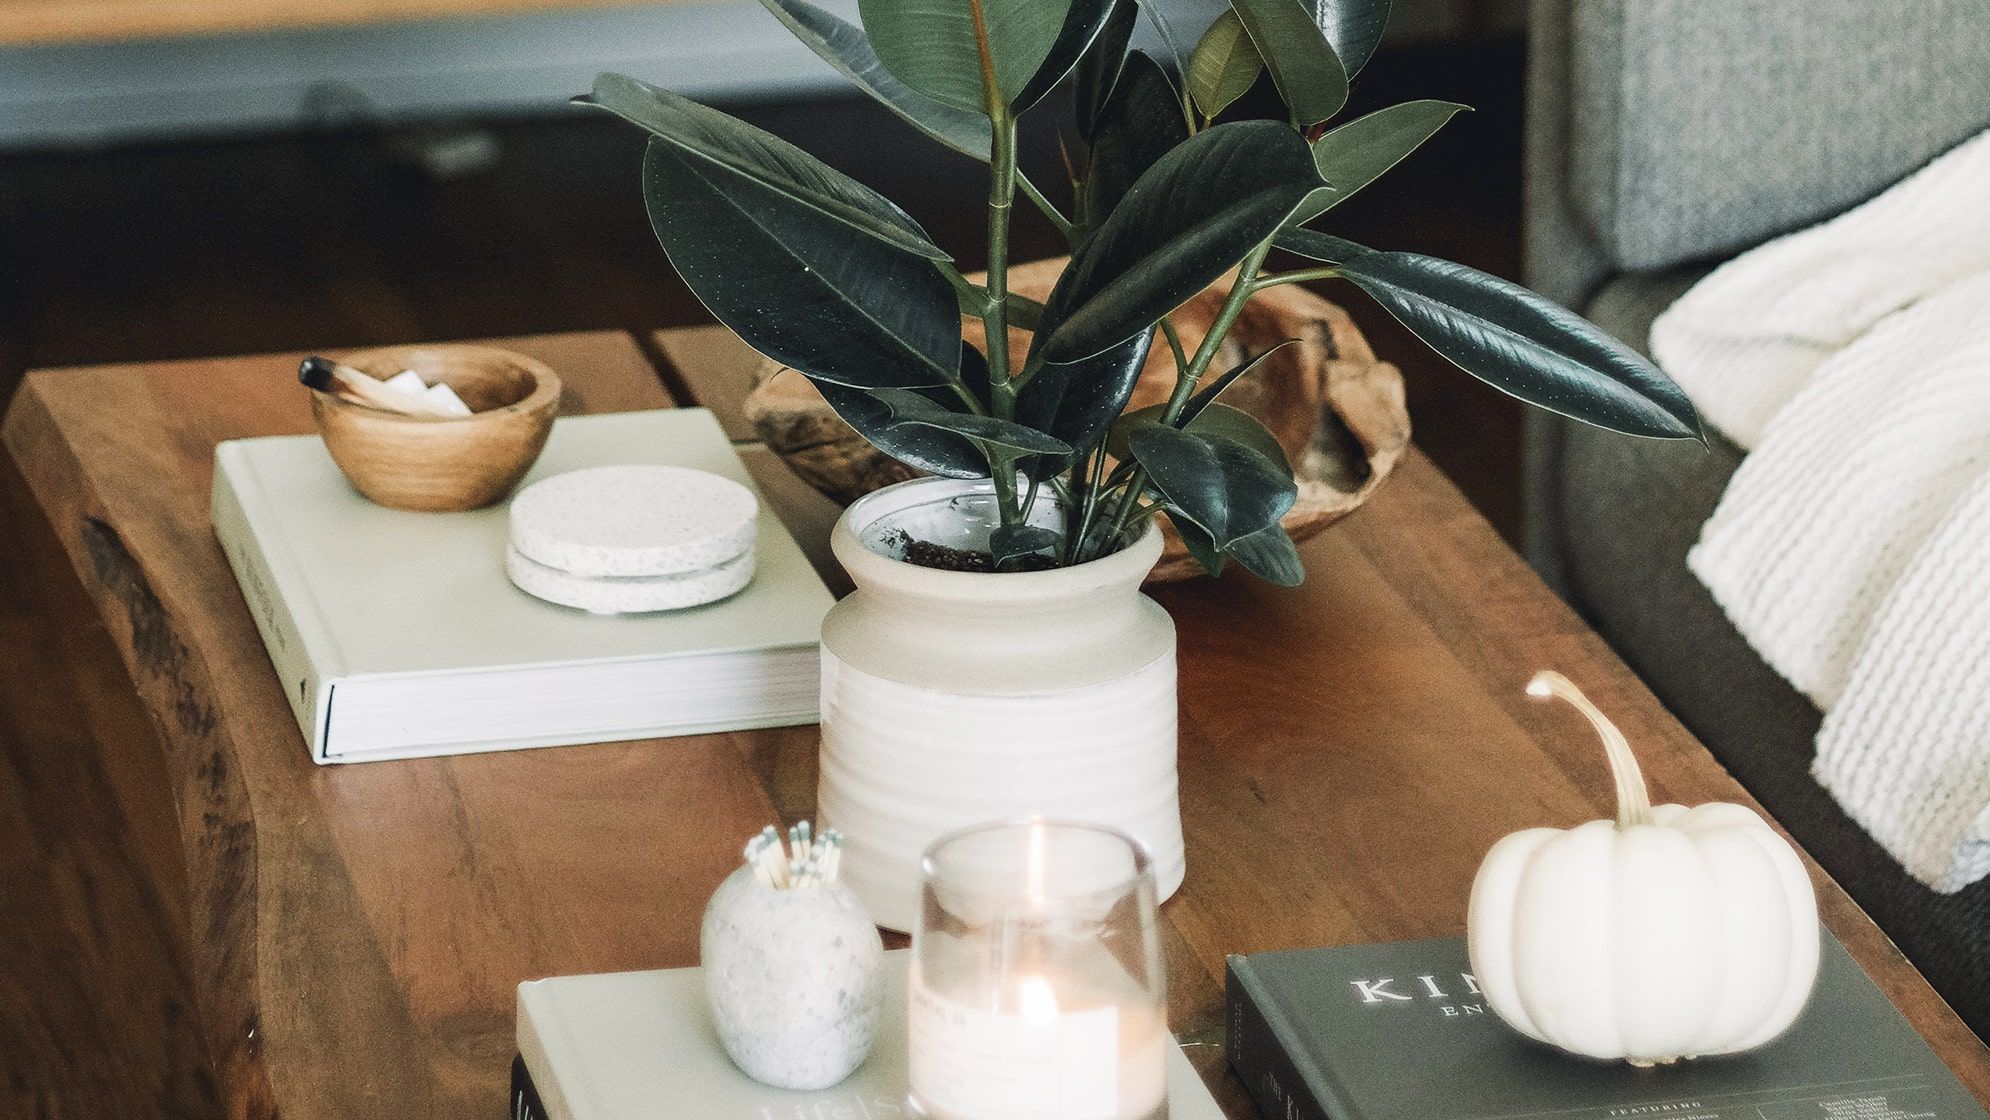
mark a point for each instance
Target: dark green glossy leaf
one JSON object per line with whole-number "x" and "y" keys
{"x": 931, "y": 45}
{"x": 1010, "y": 541}
{"x": 1151, "y": 414}
{"x": 1078, "y": 402}
{"x": 1085, "y": 22}
{"x": 1324, "y": 247}
{"x": 1169, "y": 39}
{"x": 844, "y": 46}
{"x": 927, "y": 449}
{"x": 767, "y": 160}
{"x": 1270, "y": 555}
{"x": 1297, "y": 53}
{"x": 973, "y": 376}
{"x": 1192, "y": 216}
{"x": 920, "y": 410}
{"x": 1197, "y": 542}
{"x": 1142, "y": 122}
{"x": 1354, "y": 27}
{"x": 1228, "y": 488}
{"x": 1513, "y": 339}
{"x": 1222, "y": 421}
{"x": 1357, "y": 153}
{"x": 1224, "y": 65}
{"x": 1206, "y": 393}
{"x": 1099, "y": 69}
{"x": 799, "y": 286}
{"x": 1123, "y": 427}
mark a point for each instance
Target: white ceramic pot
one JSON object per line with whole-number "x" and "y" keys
{"x": 956, "y": 698}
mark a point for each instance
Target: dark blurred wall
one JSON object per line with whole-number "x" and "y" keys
{"x": 62, "y": 95}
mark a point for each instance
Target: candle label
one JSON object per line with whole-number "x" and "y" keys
{"x": 971, "y": 1064}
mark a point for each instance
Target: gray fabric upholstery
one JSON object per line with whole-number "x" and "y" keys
{"x": 1625, "y": 307}
{"x": 1561, "y": 261}
{"x": 1628, "y": 305}
{"x": 1694, "y": 128}
{"x": 1617, "y": 515}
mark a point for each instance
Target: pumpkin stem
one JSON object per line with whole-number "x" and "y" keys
{"x": 1633, "y": 799}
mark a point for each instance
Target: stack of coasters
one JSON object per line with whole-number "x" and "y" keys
{"x": 623, "y": 540}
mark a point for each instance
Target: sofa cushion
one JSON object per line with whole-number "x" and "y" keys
{"x": 1698, "y": 128}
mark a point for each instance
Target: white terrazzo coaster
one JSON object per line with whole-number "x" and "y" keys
{"x": 628, "y": 594}
{"x": 633, "y": 521}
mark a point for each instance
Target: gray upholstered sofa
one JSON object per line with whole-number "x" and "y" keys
{"x": 1663, "y": 136}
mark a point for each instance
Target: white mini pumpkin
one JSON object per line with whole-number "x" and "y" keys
{"x": 1667, "y": 933}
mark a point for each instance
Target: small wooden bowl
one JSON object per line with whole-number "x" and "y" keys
{"x": 413, "y": 463}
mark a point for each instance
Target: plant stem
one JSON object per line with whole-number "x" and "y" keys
{"x": 995, "y": 313}
{"x": 1233, "y": 306}
{"x": 1299, "y": 277}
{"x": 1077, "y": 499}
{"x": 1043, "y": 204}
{"x": 1091, "y": 474}
{"x": 966, "y": 396}
{"x": 1174, "y": 338}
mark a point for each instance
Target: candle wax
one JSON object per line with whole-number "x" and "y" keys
{"x": 1040, "y": 1048}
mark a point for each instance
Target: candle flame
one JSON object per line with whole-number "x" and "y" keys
{"x": 1037, "y": 1001}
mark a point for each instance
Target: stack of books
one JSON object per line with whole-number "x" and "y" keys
{"x": 1365, "y": 1032}
{"x": 398, "y": 634}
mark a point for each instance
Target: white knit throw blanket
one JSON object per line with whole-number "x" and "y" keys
{"x": 1852, "y": 548}
{"x": 1746, "y": 338}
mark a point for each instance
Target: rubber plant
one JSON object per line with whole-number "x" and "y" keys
{"x": 825, "y": 275}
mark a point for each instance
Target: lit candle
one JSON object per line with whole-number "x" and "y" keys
{"x": 1020, "y": 1007}
{"x": 1043, "y": 1052}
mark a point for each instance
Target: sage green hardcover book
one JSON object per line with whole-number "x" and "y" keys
{"x": 1398, "y": 1032}
{"x": 641, "y": 1045}
{"x": 398, "y": 634}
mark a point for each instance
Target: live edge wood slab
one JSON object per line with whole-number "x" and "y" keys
{"x": 1349, "y": 749}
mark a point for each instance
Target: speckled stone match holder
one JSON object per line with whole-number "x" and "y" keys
{"x": 792, "y": 966}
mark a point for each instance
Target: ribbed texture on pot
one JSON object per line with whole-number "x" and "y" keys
{"x": 902, "y": 766}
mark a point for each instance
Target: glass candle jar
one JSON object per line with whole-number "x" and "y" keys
{"x": 1038, "y": 990}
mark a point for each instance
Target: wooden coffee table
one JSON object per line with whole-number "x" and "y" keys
{"x": 1349, "y": 749}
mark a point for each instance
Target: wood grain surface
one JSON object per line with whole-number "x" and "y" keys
{"x": 1349, "y": 750}
{"x": 90, "y": 855}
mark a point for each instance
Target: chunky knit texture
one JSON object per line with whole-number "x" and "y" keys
{"x": 1852, "y": 547}
{"x": 1850, "y": 479}
{"x": 1745, "y": 339}
{"x": 1906, "y": 750}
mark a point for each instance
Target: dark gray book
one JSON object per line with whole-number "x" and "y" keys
{"x": 1397, "y": 1032}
